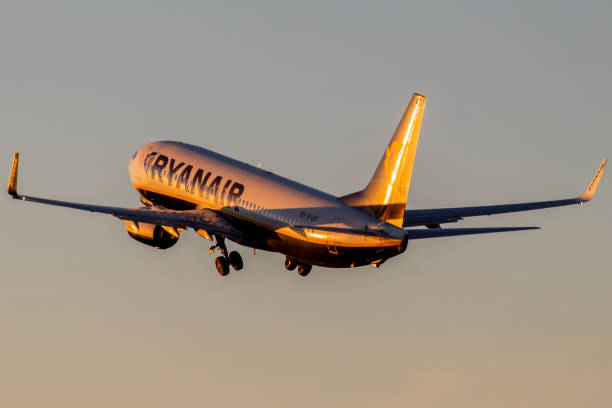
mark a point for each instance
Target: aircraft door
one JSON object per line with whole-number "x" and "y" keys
{"x": 331, "y": 237}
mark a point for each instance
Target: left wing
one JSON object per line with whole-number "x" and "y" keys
{"x": 434, "y": 217}
{"x": 205, "y": 219}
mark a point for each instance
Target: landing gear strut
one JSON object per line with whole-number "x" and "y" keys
{"x": 226, "y": 259}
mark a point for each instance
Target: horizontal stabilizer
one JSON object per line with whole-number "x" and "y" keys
{"x": 450, "y": 232}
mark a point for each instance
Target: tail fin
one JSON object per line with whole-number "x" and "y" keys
{"x": 386, "y": 194}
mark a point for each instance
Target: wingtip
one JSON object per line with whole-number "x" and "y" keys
{"x": 419, "y": 96}
{"x": 12, "y": 184}
{"x": 592, "y": 188}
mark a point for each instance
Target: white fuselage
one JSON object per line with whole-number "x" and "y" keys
{"x": 190, "y": 177}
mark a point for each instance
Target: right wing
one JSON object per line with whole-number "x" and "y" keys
{"x": 434, "y": 217}
{"x": 204, "y": 219}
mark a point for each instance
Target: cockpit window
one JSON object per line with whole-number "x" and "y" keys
{"x": 135, "y": 153}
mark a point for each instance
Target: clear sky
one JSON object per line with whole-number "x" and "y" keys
{"x": 519, "y": 109}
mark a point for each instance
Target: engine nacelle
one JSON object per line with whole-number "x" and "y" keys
{"x": 151, "y": 234}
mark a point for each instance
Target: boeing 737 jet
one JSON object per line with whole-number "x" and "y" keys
{"x": 188, "y": 187}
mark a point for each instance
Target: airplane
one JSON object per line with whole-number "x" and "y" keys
{"x": 188, "y": 187}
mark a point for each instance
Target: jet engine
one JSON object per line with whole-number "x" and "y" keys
{"x": 157, "y": 236}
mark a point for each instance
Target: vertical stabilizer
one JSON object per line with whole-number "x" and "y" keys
{"x": 386, "y": 194}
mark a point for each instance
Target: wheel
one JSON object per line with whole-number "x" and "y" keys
{"x": 290, "y": 264}
{"x": 304, "y": 269}
{"x": 235, "y": 260}
{"x": 222, "y": 266}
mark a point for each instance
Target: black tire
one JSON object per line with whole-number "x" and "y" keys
{"x": 304, "y": 269}
{"x": 222, "y": 266}
{"x": 235, "y": 260}
{"x": 290, "y": 264}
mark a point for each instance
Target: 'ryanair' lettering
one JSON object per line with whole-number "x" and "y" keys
{"x": 227, "y": 183}
{"x": 184, "y": 178}
{"x": 201, "y": 182}
{"x": 155, "y": 164}
{"x": 172, "y": 171}
{"x": 158, "y": 166}
{"x": 235, "y": 192}
{"x": 180, "y": 176}
{"x": 213, "y": 188}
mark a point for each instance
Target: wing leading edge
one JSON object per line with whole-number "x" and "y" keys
{"x": 434, "y": 217}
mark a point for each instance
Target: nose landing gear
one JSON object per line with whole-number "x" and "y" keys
{"x": 223, "y": 262}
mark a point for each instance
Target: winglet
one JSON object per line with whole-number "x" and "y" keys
{"x": 590, "y": 191}
{"x": 12, "y": 184}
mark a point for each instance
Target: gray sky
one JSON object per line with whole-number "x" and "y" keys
{"x": 518, "y": 109}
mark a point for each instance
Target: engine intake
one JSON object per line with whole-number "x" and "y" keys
{"x": 151, "y": 234}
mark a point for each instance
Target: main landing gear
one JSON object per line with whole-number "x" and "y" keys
{"x": 224, "y": 261}
{"x": 291, "y": 264}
